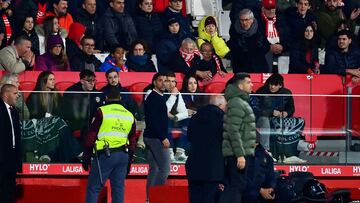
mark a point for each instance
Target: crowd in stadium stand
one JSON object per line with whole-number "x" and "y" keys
{"x": 318, "y": 36}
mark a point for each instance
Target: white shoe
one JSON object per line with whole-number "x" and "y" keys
{"x": 172, "y": 156}
{"x": 294, "y": 160}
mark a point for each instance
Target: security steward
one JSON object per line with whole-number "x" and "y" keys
{"x": 111, "y": 138}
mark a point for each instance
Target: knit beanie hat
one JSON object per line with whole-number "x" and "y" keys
{"x": 210, "y": 20}
{"x": 53, "y": 40}
{"x": 172, "y": 21}
{"x": 269, "y": 4}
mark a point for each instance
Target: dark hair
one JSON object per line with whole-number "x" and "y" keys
{"x": 48, "y": 26}
{"x": 56, "y": 1}
{"x": 275, "y": 79}
{"x": 20, "y": 39}
{"x": 207, "y": 44}
{"x": 86, "y": 73}
{"x": 345, "y": 32}
{"x": 82, "y": 41}
{"x": 297, "y": 1}
{"x": 157, "y": 75}
{"x": 312, "y": 43}
{"x": 110, "y": 71}
{"x": 41, "y": 86}
{"x": 42, "y": 80}
{"x": 23, "y": 20}
{"x": 237, "y": 78}
{"x": 136, "y": 42}
{"x": 142, "y": 1}
{"x": 185, "y": 83}
{"x": 113, "y": 94}
{"x": 170, "y": 74}
{"x": 115, "y": 47}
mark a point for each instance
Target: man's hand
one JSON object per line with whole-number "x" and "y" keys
{"x": 174, "y": 91}
{"x": 266, "y": 193}
{"x": 355, "y": 13}
{"x": 276, "y": 113}
{"x": 276, "y": 48}
{"x": 241, "y": 162}
{"x": 205, "y": 75}
{"x": 166, "y": 143}
{"x": 354, "y": 72}
{"x": 355, "y": 79}
{"x": 284, "y": 114}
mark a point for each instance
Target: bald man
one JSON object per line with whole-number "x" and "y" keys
{"x": 10, "y": 145}
{"x": 205, "y": 164}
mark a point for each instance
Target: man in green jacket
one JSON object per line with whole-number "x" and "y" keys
{"x": 239, "y": 136}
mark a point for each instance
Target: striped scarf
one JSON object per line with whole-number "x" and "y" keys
{"x": 217, "y": 61}
{"x": 7, "y": 28}
{"x": 189, "y": 57}
{"x": 270, "y": 29}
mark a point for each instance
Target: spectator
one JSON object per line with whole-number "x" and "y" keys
{"x": 54, "y": 58}
{"x": 273, "y": 106}
{"x": 155, "y": 134}
{"x": 248, "y": 45}
{"x": 88, "y": 16}
{"x": 298, "y": 18}
{"x": 161, "y": 5}
{"x": 6, "y": 24}
{"x": 174, "y": 11}
{"x": 112, "y": 78}
{"x": 260, "y": 177}
{"x": 29, "y": 31}
{"x": 345, "y": 60}
{"x": 50, "y": 27}
{"x": 237, "y": 6}
{"x": 304, "y": 57}
{"x": 329, "y": 16}
{"x": 21, "y": 107}
{"x": 190, "y": 87}
{"x": 238, "y": 137}
{"x": 208, "y": 32}
{"x": 18, "y": 57}
{"x": 77, "y": 113}
{"x": 148, "y": 24}
{"x": 205, "y": 135}
{"x": 178, "y": 115}
{"x": 116, "y": 60}
{"x": 44, "y": 104}
{"x": 119, "y": 28}
{"x": 139, "y": 58}
{"x": 169, "y": 45}
{"x": 34, "y": 8}
{"x": 187, "y": 60}
{"x": 60, "y": 12}
{"x": 210, "y": 61}
{"x": 85, "y": 60}
{"x": 72, "y": 42}
{"x": 275, "y": 31}
{"x": 331, "y": 44}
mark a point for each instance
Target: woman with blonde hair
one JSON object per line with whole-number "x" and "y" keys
{"x": 12, "y": 78}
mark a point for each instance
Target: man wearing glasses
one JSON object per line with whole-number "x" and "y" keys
{"x": 79, "y": 101}
{"x": 86, "y": 59}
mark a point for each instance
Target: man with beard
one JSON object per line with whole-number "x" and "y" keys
{"x": 329, "y": 16}
{"x": 345, "y": 60}
{"x": 60, "y": 11}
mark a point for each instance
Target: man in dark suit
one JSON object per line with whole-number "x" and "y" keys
{"x": 205, "y": 164}
{"x": 10, "y": 145}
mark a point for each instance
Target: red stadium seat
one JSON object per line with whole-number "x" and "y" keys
{"x": 63, "y": 85}
{"x": 215, "y": 87}
{"x": 256, "y": 86}
{"x": 27, "y": 86}
{"x": 138, "y": 87}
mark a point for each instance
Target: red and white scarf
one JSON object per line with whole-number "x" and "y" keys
{"x": 189, "y": 57}
{"x": 218, "y": 64}
{"x": 7, "y": 28}
{"x": 270, "y": 29}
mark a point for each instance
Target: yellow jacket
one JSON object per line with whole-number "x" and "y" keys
{"x": 221, "y": 49}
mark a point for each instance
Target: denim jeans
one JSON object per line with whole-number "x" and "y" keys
{"x": 159, "y": 163}
{"x": 113, "y": 168}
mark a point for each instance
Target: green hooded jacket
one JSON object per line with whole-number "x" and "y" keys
{"x": 239, "y": 124}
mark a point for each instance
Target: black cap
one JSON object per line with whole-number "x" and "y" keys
{"x": 172, "y": 21}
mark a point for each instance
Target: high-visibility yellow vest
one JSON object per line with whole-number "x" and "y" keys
{"x": 115, "y": 127}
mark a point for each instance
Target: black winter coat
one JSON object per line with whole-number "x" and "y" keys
{"x": 137, "y": 67}
{"x": 183, "y": 21}
{"x": 205, "y": 161}
{"x": 336, "y": 62}
{"x": 92, "y": 24}
{"x": 78, "y": 62}
{"x": 149, "y": 28}
{"x": 298, "y": 59}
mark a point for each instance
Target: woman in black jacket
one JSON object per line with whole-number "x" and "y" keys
{"x": 139, "y": 59}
